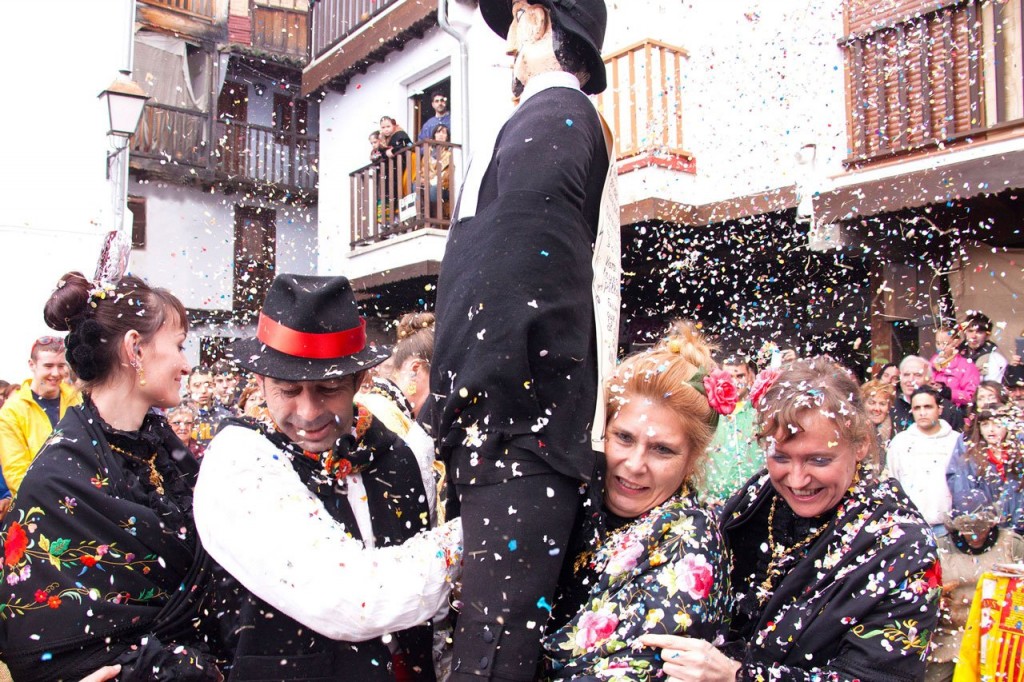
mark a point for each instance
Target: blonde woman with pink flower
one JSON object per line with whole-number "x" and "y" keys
{"x": 653, "y": 560}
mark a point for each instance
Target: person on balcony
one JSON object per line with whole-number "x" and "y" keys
{"x": 376, "y": 150}
{"x": 442, "y": 117}
{"x": 439, "y": 172}
{"x": 393, "y": 140}
{"x": 516, "y": 360}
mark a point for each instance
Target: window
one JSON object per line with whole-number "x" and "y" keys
{"x": 255, "y": 259}
{"x": 423, "y": 105}
{"x": 290, "y": 115}
{"x": 137, "y": 207}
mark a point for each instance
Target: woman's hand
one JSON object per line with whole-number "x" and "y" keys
{"x": 692, "y": 660}
{"x": 107, "y": 672}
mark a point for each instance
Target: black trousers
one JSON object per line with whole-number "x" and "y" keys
{"x": 515, "y": 539}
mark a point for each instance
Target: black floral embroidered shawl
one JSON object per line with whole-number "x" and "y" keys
{"x": 860, "y": 604}
{"x": 100, "y": 568}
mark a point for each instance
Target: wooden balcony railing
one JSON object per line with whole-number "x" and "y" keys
{"x": 334, "y": 20}
{"x": 173, "y": 135}
{"x": 411, "y": 191}
{"x": 281, "y": 30}
{"x": 242, "y": 151}
{"x": 204, "y": 9}
{"x": 643, "y": 104}
{"x": 266, "y": 155}
{"x": 932, "y": 78}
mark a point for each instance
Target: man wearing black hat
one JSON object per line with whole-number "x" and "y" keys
{"x": 516, "y": 359}
{"x": 980, "y": 349}
{"x": 286, "y": 509}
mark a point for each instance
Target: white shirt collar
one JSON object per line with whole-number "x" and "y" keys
{"x": 548, "y": 79}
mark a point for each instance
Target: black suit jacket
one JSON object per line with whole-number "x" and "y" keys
{"x": 515, "y": 358}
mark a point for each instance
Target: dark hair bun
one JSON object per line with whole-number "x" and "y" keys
{"x": 81, "y": 349}
{"x": 68, "y": 302}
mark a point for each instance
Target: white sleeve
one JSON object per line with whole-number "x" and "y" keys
{"x": 996, "y": 367}
{"x": 893, "y": 457}
{"x": 257, "y": 520}
{"x": 422, "y": 447}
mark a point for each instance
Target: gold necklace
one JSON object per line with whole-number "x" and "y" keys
{"x": 774, "y": 569}
{"x": 154, "y": 476}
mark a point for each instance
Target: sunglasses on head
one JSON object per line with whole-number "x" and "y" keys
{"x": 47, "y": 341}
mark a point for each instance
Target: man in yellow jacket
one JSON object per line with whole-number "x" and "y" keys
{"x": 30, "y": 414}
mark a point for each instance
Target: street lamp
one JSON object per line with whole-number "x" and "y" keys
{"x": 125, "y": 101}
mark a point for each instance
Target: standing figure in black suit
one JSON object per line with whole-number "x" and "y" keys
{"x": 515, "y": 375}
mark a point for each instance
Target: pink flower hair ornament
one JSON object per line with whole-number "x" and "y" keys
{"x": 762, "y": 384}
{"x": 720, "y": 390}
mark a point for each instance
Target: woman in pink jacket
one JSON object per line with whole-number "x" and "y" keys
{"x": 953, "y": 370}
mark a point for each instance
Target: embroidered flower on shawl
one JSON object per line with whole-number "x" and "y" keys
{"x": 764, "y": 381}
{"x": 15, "y": 544}
{"x": 692, "y": 574}
{"x": 625, "y": 557}
{"x": 653, "y": 618}
{"x": 684, "y": 527}
{"x": 924, "y": 583}
{"x": 595, "y": 627}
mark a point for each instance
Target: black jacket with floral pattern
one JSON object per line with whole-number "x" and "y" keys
{"x": 102, "y": 561}
{"x": 860, "y": 604}
{"x": 665, "y": 572}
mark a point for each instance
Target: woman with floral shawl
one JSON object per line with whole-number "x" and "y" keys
{"x": 102, "y": 564}
{"x": 835, "y": 573}
{"x": 656, "y": 562}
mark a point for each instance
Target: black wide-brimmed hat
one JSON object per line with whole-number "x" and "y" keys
{"x": 586, "y": 19}
{"x": 309, "y": 330}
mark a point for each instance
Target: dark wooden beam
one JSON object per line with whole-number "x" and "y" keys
{"x": 365, "y": 285}
{"x": 392, "y": 28}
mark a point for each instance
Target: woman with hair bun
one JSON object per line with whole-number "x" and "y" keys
{"x": 413, "y": 354}
{"x": 102, "y": 562}
{"x": 656, "y": 562}
{"x": 399, "y": 394}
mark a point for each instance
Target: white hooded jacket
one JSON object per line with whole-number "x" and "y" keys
{"x": 918, "y": 461}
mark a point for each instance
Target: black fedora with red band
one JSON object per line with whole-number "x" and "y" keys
{"x": 309, "y": 330}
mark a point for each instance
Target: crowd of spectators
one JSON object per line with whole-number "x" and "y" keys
{"x": 948, "y": 430}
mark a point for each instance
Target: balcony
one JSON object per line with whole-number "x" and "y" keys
{"x": 201, "y": 9}
{"x": 176, "y": 143}
{"x": 281, "y": 31}
{"x": 197, "y": 20}
{"x": 393, "y": 197}
{"x": 350, "y": 35}
{"x": 934, "y": 79}
{"x": 644, "y": 105}
{"x": 335, "y": 20}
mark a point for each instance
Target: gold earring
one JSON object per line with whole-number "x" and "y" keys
{"x": 140, "y": 372}
{"x": 410, "y": 389}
